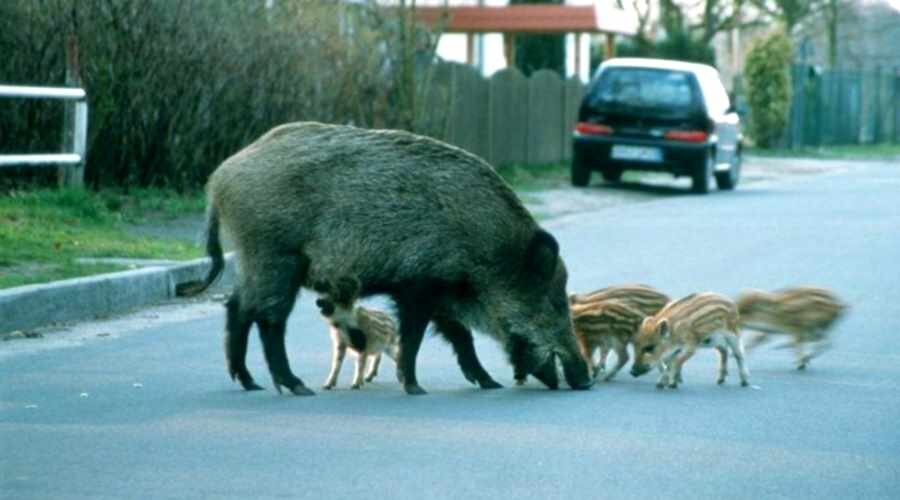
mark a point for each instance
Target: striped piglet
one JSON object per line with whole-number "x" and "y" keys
{"x": 805, "y": 313}
{"x": 608, "y": 319}
{"x": 670, "y": 337}
{"x": 366, "y": 332}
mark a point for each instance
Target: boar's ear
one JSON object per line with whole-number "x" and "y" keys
{"x": 663, "y": 328}
{"x": 541, "y": 259}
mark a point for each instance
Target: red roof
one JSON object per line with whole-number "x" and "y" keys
{"x": 512, "y": 19}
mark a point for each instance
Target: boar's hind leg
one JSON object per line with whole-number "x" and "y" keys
{"x": 463, "y": 344}
{"x": 276, "y": 287}
{"x": 271, "y": 331}
{"x": 237, "y": 331}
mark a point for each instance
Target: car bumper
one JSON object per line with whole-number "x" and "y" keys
{"x": 678, "y": 158}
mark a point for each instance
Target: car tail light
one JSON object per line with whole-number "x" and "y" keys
{"x": 593, "y": 128}
{"x": 686, "y": 135}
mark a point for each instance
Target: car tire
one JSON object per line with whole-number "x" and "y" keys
{"x": 611, "y": 174}
{"x": 581, "y": 173}
{"x": 702, "y": 174}
{"x": 729, "y": 180}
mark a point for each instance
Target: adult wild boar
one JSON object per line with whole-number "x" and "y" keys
{"x": 428, "y": 224}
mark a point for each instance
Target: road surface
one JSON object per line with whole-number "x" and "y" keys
{"x": 142, "y": 407}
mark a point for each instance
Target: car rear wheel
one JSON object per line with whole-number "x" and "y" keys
{"x": 581, "y": 173}
{"x": 611, "y": 174}
{"x": 703, "y": 172}
{"x": 729, "y": 179}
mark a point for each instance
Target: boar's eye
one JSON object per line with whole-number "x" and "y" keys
{"x": 649, "y": 348}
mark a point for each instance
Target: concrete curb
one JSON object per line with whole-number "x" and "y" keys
{"x": 32, "y": 306}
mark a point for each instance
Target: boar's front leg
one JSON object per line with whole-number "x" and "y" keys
{"x": 415, "y": 307}
{"x": 521, "y": 355}
{"x": 463, "y": 344}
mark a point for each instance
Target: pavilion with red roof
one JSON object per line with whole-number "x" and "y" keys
{"x": 511, "y": 20}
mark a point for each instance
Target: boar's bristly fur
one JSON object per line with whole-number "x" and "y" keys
{"x": 428, "y": 224}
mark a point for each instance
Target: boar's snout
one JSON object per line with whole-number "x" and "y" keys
{"x": 577, "y": 374}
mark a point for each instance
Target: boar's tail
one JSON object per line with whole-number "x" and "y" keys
{"x": 214, "y": 250}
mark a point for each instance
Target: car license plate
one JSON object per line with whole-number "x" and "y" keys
{"x": 636, "y": 153}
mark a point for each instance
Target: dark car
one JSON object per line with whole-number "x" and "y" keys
{"x": 657, "y": 115}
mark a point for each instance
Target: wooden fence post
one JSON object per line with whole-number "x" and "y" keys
{"x": 508, "y": 123}
{"x": 546, "y": 97}
{"x": 72, "y": 175}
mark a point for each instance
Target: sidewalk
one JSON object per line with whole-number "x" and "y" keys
{"x": 28, "y": 307}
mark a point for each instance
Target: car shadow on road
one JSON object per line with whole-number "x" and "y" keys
{"x": 646, "y": 188}
{"x": 675, "y": 189}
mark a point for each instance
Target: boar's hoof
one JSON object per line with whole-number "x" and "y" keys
{"x": 520, "y": 381}
{"x": 744, "y": 383}
{"x": 250, "y": 385}
{"x": 551, "y": 384}
{"x": 356, "y": 386}
{"x": 547, "y": 375}
{"x": 246, "y": 381}
{"x": 583, "y": 386}
{"x": 301, "y": 390}
{"x": 414, "y": 389}
{"x": 720, "y": 381}
{"x": 489, "y": 383}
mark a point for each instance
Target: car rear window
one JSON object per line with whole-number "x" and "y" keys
{"x": 642, "y": 88}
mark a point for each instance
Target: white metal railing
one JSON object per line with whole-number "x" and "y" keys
{"x": 78, "y": 127}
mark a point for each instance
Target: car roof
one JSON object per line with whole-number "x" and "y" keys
{"x": 640, "y": 62}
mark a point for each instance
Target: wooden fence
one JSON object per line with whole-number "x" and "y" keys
{"x": 505, "y": 119}
{"x": 843, "y": 107}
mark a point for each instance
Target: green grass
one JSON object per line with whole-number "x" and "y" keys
{"x": 849, "y": 152}
{"x": 44, "y": 231}
{"x": 525, "y": 178}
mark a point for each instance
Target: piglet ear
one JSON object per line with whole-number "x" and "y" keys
{"x": 663, "y": 328}
{"x": 347, "y": 288}
{"x": 321, "y": 286}
{"x": 542, "y": 256}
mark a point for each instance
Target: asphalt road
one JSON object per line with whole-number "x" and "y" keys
{"x": 141, "y": 407}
